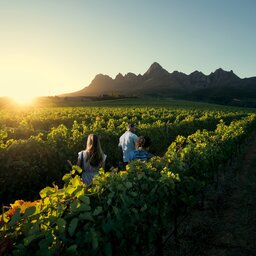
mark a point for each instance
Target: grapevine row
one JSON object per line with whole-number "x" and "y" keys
{"x": 122, "y": 213}
{"x": 41, "y": 159}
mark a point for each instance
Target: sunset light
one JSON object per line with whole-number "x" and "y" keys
{"x": 51, "y": 48}
{"x": 77, "y": 78}
{"x": 23, "y": 99}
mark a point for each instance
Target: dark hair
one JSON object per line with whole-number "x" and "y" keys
{"x": 143, "y": 142}
{"x": 131, "y": 125}
{"x": 94, "y": 150}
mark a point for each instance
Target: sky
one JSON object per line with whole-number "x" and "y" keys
{"x": 49, "y": 47}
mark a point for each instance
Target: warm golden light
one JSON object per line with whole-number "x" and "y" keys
{"x": 23, "y": 99}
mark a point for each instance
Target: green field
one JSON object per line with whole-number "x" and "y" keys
{"x": 36, "y": 141}
{"x": 190, "y": 142}
{"x": 161, "y": 102}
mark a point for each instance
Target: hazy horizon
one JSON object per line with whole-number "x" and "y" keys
{"x": 54, "y": 47}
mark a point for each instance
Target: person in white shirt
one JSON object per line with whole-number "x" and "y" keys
{"x": 127, "y": 142}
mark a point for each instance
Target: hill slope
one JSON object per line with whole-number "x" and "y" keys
{"x": 220, "y": 85}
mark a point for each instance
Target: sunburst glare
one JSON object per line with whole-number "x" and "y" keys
{"x": 23, "y": 99}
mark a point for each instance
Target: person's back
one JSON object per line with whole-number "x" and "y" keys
{"x": 141, "y": 153}
{"x": 84, "y": 157}
{"x": 91, "y": 159}
{"x": 127, "y": 142}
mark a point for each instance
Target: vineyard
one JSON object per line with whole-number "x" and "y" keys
{"x": 124, "y": 212}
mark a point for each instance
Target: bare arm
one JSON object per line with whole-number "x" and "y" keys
{"x": 80, "y": 159}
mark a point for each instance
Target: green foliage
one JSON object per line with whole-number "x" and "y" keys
{"x": 142, "y": 200}
{"x": 35, "y": 144}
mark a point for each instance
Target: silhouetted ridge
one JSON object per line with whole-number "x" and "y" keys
{"x": 155, "y": 70}
{"x": 219, "y": 85}
{"x": 221, "y": 76}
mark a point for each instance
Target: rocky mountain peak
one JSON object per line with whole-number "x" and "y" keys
{"x": 156, "y": 70}
{"x": 130, "y": 75}
{"x": 222, "y": 75}
{"x": 157, "y": 81}
{"x": 197, "y": 73}
{"x": 101, "y": 76}
{"x": 199, "y": 79}
{"x": 101, "y": 79}
{"x": 119, "y": 76}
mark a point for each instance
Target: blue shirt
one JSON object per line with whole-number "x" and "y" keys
{"x": 140, "y": 154}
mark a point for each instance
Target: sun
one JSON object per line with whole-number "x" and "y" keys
{"x": 23, "y": 99}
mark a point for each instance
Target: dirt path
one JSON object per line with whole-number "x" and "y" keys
{"x": 227, "y": 225}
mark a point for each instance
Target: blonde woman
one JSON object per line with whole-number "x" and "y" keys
{"x": 91, "y": 159}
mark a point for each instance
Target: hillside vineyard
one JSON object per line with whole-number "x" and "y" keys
{"x": 59, "y": 215}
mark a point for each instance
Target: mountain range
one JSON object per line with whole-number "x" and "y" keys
{"x": 219, "y": 86}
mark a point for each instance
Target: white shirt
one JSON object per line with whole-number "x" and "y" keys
{"x": 127, "y": 143}
{"x": 86, "y": 165}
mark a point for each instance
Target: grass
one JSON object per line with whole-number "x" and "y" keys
{"x": 127, "y": 102}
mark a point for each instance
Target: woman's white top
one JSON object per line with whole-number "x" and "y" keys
{"x": 86, "y": 164}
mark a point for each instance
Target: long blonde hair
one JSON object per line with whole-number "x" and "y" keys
{"x": 94, "y": 151}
